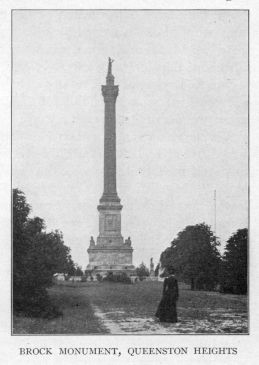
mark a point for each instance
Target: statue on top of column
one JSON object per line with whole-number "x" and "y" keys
{"x": 110, "y": 66}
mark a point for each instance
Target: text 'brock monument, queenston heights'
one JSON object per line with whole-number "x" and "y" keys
{"x": 110, "y": 253}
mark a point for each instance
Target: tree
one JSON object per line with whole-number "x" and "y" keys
{"x": 70, "y": 266}
{"x": 142, "y": 271}
{"x": 157, "y": 269}
{"x": 21, "y": 211}
{"x": 37, "y": 255}
{"x": 78, "y": 271}
{"x": 234, "y": 264}
{"x": 194, "y": 256}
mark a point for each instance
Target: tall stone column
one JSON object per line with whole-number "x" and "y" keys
{"x": 110, "y": 207}
{"x": 110, "y": 252}
{"x": 110, "y": 93}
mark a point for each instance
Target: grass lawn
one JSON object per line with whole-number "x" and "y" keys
{"x": 78, "y": 316}
{"x": 131, "y": 308}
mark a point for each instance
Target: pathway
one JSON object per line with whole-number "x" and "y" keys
{"x": 220, "y": 321}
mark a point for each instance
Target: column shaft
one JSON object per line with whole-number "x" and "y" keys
{"x": 110, "y": 148}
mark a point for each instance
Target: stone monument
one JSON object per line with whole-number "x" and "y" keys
{"x": 151, "y": 271}
{"x": 110, "y": 253}
{"x": 151, "y": 276}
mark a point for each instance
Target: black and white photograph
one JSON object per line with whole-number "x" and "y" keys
{"x": 130, "y": 172}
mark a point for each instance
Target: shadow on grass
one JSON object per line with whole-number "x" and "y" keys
{"x": 77, "y": 318}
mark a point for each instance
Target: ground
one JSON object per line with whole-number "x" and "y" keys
{"x": 115, "y": 308}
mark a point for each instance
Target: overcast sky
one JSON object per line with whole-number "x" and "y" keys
{"x": 182, "y": 124}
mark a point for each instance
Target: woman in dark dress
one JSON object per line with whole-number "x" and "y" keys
{"x": 166, "y": 311}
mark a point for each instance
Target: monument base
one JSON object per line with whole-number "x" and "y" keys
{"x": 115, "y": 257}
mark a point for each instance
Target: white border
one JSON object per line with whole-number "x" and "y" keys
{"x": 248, "y": 349}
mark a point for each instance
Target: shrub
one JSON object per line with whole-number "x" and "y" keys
{"x": 121, "y": 277}
{"x": 37, "y": 304}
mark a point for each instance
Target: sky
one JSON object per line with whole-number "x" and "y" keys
{"x": 182, "y": 121}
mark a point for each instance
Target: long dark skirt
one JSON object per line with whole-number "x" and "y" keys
{"x": 166, "y": 311}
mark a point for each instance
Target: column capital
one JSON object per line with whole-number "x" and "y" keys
{"x": 110, "y": 92}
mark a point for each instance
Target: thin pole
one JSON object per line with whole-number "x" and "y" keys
{"x": 215, "y": 213}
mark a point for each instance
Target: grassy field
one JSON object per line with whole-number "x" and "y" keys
{"x": 95, "y": 308}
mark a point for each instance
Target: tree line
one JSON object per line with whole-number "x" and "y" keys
{"x": 37, "y": 256}
{"x": 196, "y": 259}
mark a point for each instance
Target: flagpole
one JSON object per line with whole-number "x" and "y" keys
{"x": 215, "y": 213}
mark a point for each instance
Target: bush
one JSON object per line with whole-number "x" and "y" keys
{"x": 117, "y": 278}
{"x": 142, "y": 271}
{"x": 99, "y": 277}
{"x": 37, "y": 304}
{"x": 142, "y": 278}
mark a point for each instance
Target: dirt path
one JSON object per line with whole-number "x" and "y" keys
{"x": 110, "y": 325}
{"x": 123, "y": 324}
{"x": 130, "y": 325}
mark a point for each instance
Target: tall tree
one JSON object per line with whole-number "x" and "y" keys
{"x": 21, "y": 243}
{"x": 234, "y": 263}
{"x": 194, "y": 256}
{"x": 37, "y": 255}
